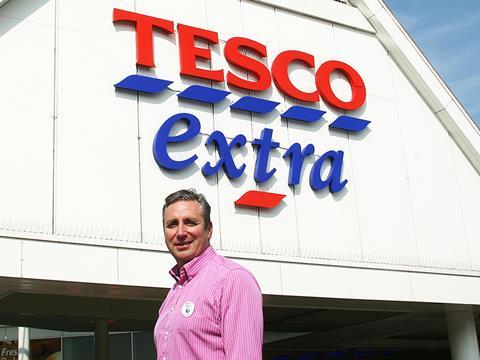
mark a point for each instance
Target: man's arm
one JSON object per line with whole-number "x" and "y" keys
{"x": 242, "y": 316}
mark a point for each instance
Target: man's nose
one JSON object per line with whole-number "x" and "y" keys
{"x": 181, "y": 230}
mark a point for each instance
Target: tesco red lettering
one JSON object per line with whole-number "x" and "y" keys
{"x": 281, "y": 78}
{"x": 144, "y": 26}
{"x": 322, "y": 80}
{"x": 257, "y": 68}
{"x": 189, "y": 53}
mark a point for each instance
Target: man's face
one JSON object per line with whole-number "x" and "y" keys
{"x": 185, "y": 232}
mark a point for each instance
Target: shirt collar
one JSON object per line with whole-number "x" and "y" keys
{"x": 193, "y": 267}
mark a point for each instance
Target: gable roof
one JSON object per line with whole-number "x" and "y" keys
{"x": 423, "y": 76}
{"x": 373, "y": 16}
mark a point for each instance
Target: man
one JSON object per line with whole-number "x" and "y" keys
{"x": 214, "y": 310}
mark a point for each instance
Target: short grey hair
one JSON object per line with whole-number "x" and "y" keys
{"x": 189, "y": 195}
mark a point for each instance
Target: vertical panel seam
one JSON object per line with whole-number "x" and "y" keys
{"x": 118, "y": 265}
{"x": 405, "y": 163}
{"x": 293, "y": 187}
{"x": 460, "y": 200}
{"x": 21, "y": 258}
{"x": 217, "y": 178}
{"x": 354, "y": 189}
{"x": 139, "y": 153}
{"x": 55, "y": 113}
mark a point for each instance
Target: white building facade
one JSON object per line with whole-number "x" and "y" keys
{"x": 362, "y": 170}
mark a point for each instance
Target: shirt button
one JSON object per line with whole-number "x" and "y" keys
{"x": 180, "y": 286}
{"x": 166, "y": 333}
{"x": 172, "y": 308}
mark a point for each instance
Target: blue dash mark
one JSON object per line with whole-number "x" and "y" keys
{"x": 203, "y": 94}
{"x": 255, "y": 105}
{"x": 302, "y": 113}
{"x": 349, "y": 123}
{"x": 144, "y": 84}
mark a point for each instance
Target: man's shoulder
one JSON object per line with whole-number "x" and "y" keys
{"x": 227, "y": 264}
{"x": 229, "y": 268}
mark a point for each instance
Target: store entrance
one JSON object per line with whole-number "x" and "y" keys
{"x": 299, "y": 328}
{"x": 61, "y": 345}
{"x": 296, "y": 328}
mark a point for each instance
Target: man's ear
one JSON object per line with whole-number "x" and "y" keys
{"x": 210, "y": 230}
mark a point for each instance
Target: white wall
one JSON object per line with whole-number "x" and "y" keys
{"x": 26, "y": 115}
{"x": 77, "y": 161}
{"x": 95, "y": 264}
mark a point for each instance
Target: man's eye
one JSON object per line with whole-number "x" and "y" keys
{"x": 171, "y": 225}
{"x": 191, "y": 223}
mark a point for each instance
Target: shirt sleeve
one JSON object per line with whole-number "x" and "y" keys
{"x": 242, "y": 316}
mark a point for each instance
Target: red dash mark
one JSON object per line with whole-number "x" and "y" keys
{"x": 260, "y": 199}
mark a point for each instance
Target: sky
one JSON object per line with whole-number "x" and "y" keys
{"x": 448, "y": 33}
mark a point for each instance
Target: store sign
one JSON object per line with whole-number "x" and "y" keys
{"x": 234, "y": 52}
{"x": 8, "y": 350}
{"x": 40, "y": 349}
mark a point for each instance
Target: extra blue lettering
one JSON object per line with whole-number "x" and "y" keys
{"x": 333, "y": 178}
{"x": 297, "y": 157}
{"x": 265, "y": 143}
{"x": 163, "y": 138}
{"x": 225, "y": 152}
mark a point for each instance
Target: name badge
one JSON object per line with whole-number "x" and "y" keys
{"x": 188, "y": 309}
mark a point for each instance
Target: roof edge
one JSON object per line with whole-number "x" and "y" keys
{"x": 423, "y": 76}
{"x": 2, "y": 2}
{"x": 331, "y": 11}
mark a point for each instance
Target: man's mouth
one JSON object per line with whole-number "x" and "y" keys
{"x": 182, "y": 245}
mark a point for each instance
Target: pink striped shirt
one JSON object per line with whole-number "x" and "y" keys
{"x": 213, "y": 311}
